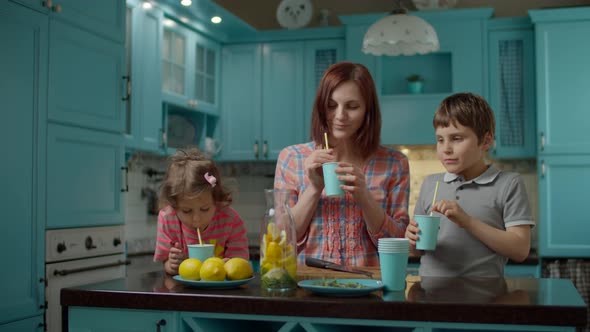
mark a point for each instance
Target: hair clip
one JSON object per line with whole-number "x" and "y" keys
{"x": 211, "y": 179}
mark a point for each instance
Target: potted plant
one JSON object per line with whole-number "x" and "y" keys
{"x": 415, "y": 84}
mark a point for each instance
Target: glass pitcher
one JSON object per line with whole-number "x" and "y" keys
{"x": 278, "y": 261}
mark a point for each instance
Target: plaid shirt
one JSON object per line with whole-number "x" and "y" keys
{"x": 337, "y": 231}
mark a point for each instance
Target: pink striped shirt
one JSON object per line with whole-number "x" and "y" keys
{"x": 226, "y": 231}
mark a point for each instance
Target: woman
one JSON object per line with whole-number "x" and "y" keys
{"x": 345, "y": 229}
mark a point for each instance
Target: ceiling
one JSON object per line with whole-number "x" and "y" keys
{"x": 260, "y": 14}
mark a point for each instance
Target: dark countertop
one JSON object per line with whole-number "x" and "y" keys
{"x": 460, "y": 300}
{"x": 532, "y": 259}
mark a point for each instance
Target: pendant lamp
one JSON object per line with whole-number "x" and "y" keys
{"x": 400, "y": 34}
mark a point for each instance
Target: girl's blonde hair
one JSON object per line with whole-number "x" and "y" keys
{"x": 185, "y": 178}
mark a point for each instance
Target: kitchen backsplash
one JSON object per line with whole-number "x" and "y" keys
{"x": 247, "y": 180}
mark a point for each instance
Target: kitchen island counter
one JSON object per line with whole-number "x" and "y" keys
{"x": 524, "y": 303}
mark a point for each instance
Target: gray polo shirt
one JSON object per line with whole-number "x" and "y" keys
{"x": 495, "y": 197}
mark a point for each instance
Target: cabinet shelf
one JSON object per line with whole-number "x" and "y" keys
{"x": 436, "y": 70}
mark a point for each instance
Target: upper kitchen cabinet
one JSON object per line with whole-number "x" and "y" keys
{"x": 105, "y": 18}
{"x": 144, "y": 128}
{"x": 190, "y": 68}
{"x": 262, "y": 113}
{"x": 241, "y": 116}
{"x": 319, "y": 55}
{"x": 23, "y": 91}
{"x": 87, "y": 85}
{"x": 458, "y": 66}
{"x": 563, "y": 80}
{"x": 86, "y": 62}
{"x": 512, "y": 87}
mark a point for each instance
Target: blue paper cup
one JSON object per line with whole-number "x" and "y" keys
{"x": 428, "y": 235}
{"x": 201, "y": 252}
{"x": 331, "y": 181}
{"x": 393, "y": 270}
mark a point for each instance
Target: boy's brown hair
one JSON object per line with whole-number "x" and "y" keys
{"x": 185, "y": 178}
{"x": 469, "y": 110}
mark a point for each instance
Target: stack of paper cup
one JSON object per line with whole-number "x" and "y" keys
{"x": 393, "y": 259}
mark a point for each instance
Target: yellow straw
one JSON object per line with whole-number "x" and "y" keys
{"x": 199, "y": 234}
{"x": 326, "y": 139}
{"x": 434, "y": 197}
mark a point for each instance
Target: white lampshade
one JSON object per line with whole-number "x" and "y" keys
{"x": 400, "y": 34}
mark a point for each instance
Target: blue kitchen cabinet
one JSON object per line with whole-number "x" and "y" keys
{"x": 563, "y": 78}
{"x": 87, "y": 83}
{"x": 512, "y": 87}
{"x": 190, "y": 68}
{"x": 355, "y": 27}
{"x": 282, "y": 97}
{"x": 563, "y": 119}
{"x": 564, "y": 227}
{"x": 105, "y": 18}
{"x": 458, "y": 66}
{"x": 241, "y": 106}
{"x": 262, "y": 113}
{"x": 23, "y": 91}
{"x": 29, "y": 324}
{"x": 85, "y": 177}
{"x": 144, "y": 128}
{"x": 319, "y": 55}
{"x": 89, "y": 319}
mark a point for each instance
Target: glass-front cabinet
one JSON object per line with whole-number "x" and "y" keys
{"x": 173, "y": 60}
{"x": 190, "y": 68}
{"x": 512, "y": 87}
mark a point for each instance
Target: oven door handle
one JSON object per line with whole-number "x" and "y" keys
{"x": 90, "y": 268}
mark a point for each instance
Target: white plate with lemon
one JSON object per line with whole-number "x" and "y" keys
{"x": 213, "y": 273}
{"x": 225, "y": 284}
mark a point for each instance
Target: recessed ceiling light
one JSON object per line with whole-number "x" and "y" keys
{"x": 186, "y": 3}
{"x": 147, "y": 5}
{"x": 216, "y": 19}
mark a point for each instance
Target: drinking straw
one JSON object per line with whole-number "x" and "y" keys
{"x": 326, "y": 139}
{"x": 434, "y": 198}
{"x": 199, "y": 234}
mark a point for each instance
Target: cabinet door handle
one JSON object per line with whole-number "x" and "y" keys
{"x": 56, "y": 8}
{"x": 159, "y": 324}
{"x": 256, "y": 149}
{"x": 542, "y": 141}
{"x": 164, "y": 139}
{"x": 265, "y": 149}
{"x": 127, "y": 87}
{"x": 126, "y": 188}
{"x": 47, "y": 4}
{"x": 543, "y": 168}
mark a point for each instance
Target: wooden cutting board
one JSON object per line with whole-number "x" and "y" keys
{"x": 305, "y": 272}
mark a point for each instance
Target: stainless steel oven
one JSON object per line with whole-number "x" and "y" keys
{"x": 79, "y": 256}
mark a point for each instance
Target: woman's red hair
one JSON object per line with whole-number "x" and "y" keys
{"x": 369, "y": 134}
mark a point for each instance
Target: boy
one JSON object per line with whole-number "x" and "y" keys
{"x": 485, "y": 213}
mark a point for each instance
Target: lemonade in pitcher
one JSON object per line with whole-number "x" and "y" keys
{"x": 278, "y": 254}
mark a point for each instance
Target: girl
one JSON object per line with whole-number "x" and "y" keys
{"x": 195, "y": 200}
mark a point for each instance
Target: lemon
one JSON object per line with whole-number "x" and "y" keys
{"x": 212, "y": 269}
{"x": 190, "y": 269}
{"x": 273, "y": 251}
{"x": 238, "y": 268}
